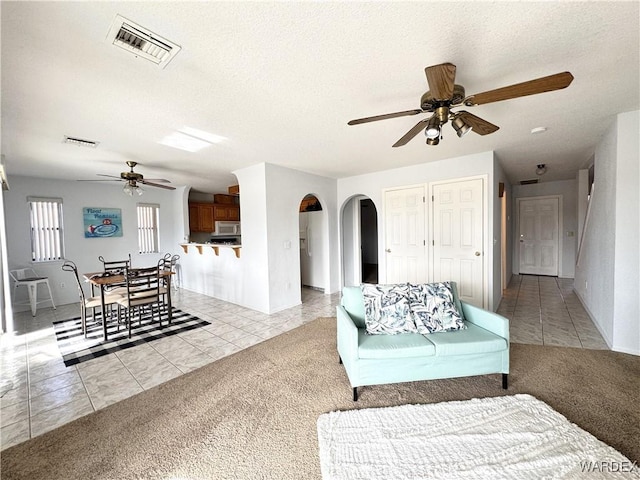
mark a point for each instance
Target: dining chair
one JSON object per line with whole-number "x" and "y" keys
{"x": 174, "y": 269}
{"x": 27, "y": 277}
{"x": 116, "y": 267}
{"x": 88, "y": 302}
{"x": 166, "y": 265}
{"x": 144, "y": 287}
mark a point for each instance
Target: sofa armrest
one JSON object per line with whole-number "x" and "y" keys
{"x": 347, "y": 334}
{"x": 485, "y": 319}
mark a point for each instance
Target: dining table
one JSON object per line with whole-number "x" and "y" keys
{"x": 104, "y": 280}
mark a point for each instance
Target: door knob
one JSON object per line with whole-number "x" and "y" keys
{"x": 477, "y": 254}
{"x": 388, "y": 250}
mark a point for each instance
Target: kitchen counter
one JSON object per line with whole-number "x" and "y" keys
{"x": 212, "y": 269}
{"x": 215, "y": 246}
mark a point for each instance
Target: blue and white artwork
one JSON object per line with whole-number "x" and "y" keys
{"x": 102, "y": 222}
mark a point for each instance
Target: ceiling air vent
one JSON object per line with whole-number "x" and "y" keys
{"x": 80, "y": 142}
{"x": 141, "y": 42}
{"x": 528, "y": 182}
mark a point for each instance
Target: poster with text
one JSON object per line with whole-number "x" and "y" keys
{"x": 102, "y": 222}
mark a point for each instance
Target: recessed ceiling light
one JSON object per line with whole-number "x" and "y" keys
{"x": 202, "y": 135}
{"x": 538, "y": 130}
{"x": 191, "y": 139}
{"x": 184, "y": 142}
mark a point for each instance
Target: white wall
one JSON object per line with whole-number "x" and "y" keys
{"x": 6, "y": 310}
{"x": 626, "y": 331}
{"x": 269, "y": 208}
{"x": 607, "y": 275}
{"x": 255, "y": 245}
{"x": 568, "y": 190}
{"x": 350, "y": 246}
{"x": 373, "y": 184}
{"x": 85, "y": 251}
{"x": 495, "y": 281}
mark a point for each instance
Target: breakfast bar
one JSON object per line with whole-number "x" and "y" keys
{"x": 213, "y": 269}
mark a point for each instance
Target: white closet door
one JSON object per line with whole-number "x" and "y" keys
{"x": 458, "y": 237}
{"x": 405, "y": 246}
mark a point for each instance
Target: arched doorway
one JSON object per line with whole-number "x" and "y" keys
{"x": 359, "y": 241}
{"x": 313, "y": 237}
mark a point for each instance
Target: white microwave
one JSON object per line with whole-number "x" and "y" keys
{"x": 226, "y": 228}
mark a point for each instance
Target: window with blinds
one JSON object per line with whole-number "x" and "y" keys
{"x": 47, "y": 243}
{"x": 148, "y": 219}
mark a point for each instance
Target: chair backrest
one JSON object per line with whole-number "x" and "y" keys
{"x": 69, "y": 266}
{"x": 115, "y": 266}
{"x": 23, "y": 274}
{"x": 143, "y": 283}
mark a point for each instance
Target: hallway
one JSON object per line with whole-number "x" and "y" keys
{"x": 546, "y": 311}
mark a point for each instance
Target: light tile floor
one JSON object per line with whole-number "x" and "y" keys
{"x": 38, "y": 393}
{"x": 546, "y": 311}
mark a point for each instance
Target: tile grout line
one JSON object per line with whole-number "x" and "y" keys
{"x": 26, "y": 352}
{"x": 564, "y": 302}
{"x": 540, "y": 311}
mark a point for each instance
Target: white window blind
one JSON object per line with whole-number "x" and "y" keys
{"x": 148, "y": 219}
{"x": 46, "y": 229}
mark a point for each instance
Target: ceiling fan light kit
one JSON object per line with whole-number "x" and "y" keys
{"x": 444, "y": 95}
{"x": 433, "y": 128}
{"x": 460, "y": 126}
{"x": 132, "y": 180}
{"x": 132, "y": 187}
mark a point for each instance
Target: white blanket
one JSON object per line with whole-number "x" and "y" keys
{"x": 504, "y": 437}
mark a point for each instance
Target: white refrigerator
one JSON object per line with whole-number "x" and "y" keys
{"x": 312, "y": 238}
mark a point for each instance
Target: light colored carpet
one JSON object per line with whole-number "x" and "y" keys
{"x": 253, "y": 415}
{"x": 515, "y": 436}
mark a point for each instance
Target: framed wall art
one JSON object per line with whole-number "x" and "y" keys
{"x": 102, "y": 222}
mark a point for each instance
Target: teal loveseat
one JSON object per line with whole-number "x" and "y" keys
{"x": 481, "y": 348}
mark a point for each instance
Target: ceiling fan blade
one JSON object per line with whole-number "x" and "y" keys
{"x": 421, "y": 125}
{"x": 384, "y": 117}
{"x": 147, "y": 182}
{"x": 440, "y": 79}
{"x": 101, "y": 180}
{"x": 478, "y": 125}
{"x": 110, "y": 176}
{"x": 532, "y": 87}
{"x": 160, "y": 180}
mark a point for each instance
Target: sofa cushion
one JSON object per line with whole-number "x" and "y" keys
{"x": 434, "y": 308}
{"x": 386, "y": 309}
{"x": 353, "y": 302}
{"x": 397, "y": 346}
{"x": 473, "y": 339}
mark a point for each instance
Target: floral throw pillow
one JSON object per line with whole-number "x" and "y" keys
{"x": 386, "y": 309}
{"x": 434, "y": 309}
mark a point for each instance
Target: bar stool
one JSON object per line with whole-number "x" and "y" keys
{"x": 27, "y": 277}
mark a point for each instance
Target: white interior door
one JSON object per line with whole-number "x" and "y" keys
{"x": 458, "y": 237}
{"x": 405, "y": 246}
{"x": 538, "y": 224}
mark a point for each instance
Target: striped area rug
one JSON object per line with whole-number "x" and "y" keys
{"x": 75, "y": 348}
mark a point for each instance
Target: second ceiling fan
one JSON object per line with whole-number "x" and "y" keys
{"x": 444, "y": 95}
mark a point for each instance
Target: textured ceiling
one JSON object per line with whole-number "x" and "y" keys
{"x": 280, "y": 81}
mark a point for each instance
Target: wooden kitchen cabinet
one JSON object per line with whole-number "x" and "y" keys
{"x": 229, "y": 213}
{"x": 202, "y": 216}
{"x": 206, "y": 216}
